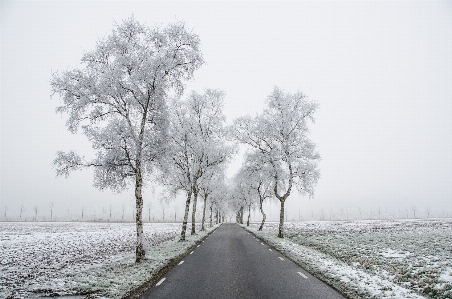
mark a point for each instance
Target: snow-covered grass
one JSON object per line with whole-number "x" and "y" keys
{"x": 83, "y": 258}
{"x": 372, "y": 259}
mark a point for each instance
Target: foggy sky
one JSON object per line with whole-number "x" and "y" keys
{"x": 381, "y": 72}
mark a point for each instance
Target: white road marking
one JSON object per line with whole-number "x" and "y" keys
{"x": 262, "y": 243}
{"x": 181, "y": 262}
{"x": 303, "y": 275}
{"x": 269, "y": 249}
{"x": 198, "y": 245}
{"x": 203, "y": 241}
{"x": 281, "y": 258}
{"x": 160, "y": 282}
{"x": 191, "y": 252}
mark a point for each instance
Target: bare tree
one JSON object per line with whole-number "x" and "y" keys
{"x": 5, "y": 209}
{"x": 83, "y": 211}
{"x": 279, "y": 134}
{"x": 428, "y": 211}
{"x": 119, "y": 99}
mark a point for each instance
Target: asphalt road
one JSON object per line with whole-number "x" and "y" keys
{"x": 231, "y": 263}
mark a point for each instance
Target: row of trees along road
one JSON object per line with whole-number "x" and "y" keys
{"x": 127, "y": 100}
{"x": 280, "y": 155}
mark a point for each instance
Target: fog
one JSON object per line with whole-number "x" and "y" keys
{"x": 381, "y": 72}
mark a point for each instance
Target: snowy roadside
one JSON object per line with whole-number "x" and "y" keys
{"x": 350, "y": 281}
{"x": 90, "y": 259}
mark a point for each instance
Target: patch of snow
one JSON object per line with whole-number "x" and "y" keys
{"x": 83, "y": 258}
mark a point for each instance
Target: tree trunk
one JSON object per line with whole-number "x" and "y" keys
{"x": 204, "y": 212}
{"x": 187, "y": 208}
{"x": 249, "y": 215}
{"x": 211, "y": 215}
{"x": 263, "y": 214}
{"x": 241, "y": 215}
{"x": 139, "y": 254}
{"x": 281, "y": 220}
{"x": 193, "y": 215}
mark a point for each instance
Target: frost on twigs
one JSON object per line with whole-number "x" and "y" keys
{"x": 278, "y": 137}
{"x": 119, "y": 99}
{"x": 64, "y": 163}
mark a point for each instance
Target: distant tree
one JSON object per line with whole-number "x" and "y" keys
{"x": 5, "y": 209}
{"x": 149, "y": 211}
{"x": 255, "y": 174}
{"x": 119, "y": 99}
{"x": 414, "y": 209}
{"x": 428, "y": 211}
{"x": 22, "y": 210}
{"x": 83, "y": 211}
{"x": 35, "y": 208}
{"x": 163, "y": 212}
{"x": 279, "y": 134}
{"x": 211, "y": 185}
{"x": 51, "y": 205}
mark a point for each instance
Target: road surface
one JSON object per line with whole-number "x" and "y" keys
{"x": 231, "y": 263}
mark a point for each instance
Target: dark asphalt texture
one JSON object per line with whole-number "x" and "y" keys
{"x": 231, "y": 263}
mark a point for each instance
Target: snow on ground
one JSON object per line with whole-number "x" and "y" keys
{"x": 372, "y": 259}
{"x": 83, "y": 258}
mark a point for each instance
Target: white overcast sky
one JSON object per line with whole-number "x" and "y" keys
{"x": 381, "y": 72}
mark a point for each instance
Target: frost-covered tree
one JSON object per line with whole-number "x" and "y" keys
{"x": 279, "y": 134}
{"x": 255, "y": 174}
{"x": 197, "y": 144}
{"x": 119, "y": 98}
{"x": 240, "y": 197}
{"x": 211, "y": 187}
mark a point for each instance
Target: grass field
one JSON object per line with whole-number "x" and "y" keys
{"x": 415, "y": 255}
